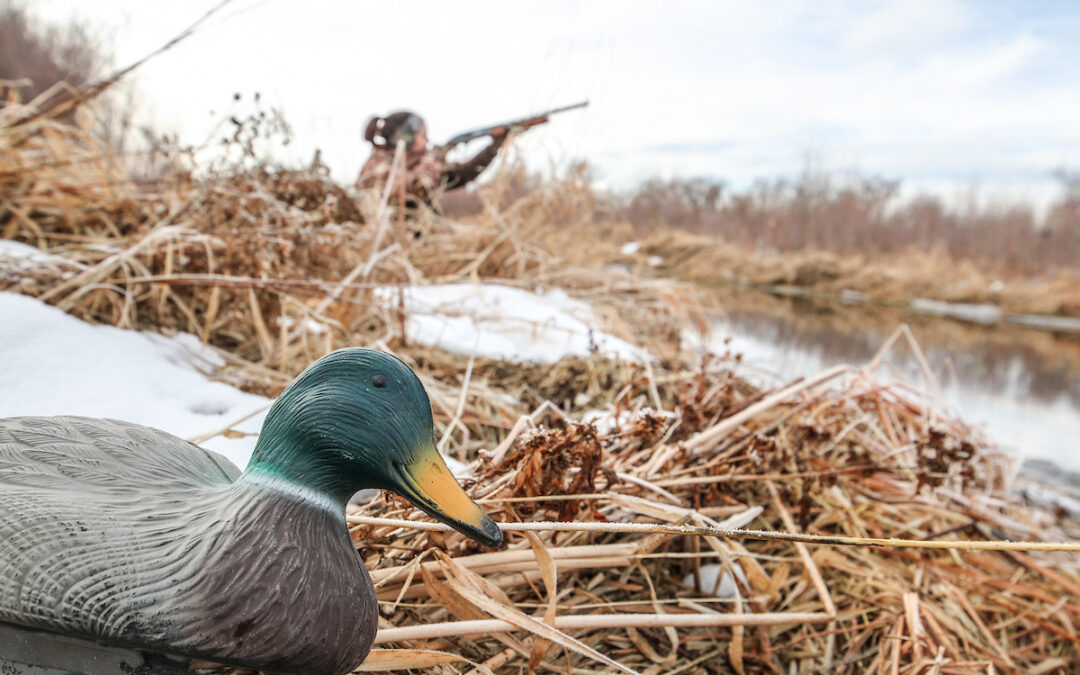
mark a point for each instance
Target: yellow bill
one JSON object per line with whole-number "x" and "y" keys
{"x": 428, "y": 483}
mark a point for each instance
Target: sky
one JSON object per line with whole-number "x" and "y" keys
{"x": 950, "y": 96}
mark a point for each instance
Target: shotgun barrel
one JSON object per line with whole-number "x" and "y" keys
{"x": 524, "y": 122}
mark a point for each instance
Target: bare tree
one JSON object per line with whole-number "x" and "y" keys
{"x": 35, "y": 56}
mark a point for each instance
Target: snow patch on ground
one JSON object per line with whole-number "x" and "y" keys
{"x": 500, "y": 322}
{"x": 608, "y": 421}
{"x": 16, "y": 256}
{"x": 54, "y": 364}
{"x": 715, "y": 583}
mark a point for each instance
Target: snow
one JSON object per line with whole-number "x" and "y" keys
{"x": 501, "y": 322}
{"x": 983, "y": 313}
{"x": 724, "y": 587}
{"x": 17, "y": 256}
{"x": 850, "y": 297}
{"x": 1057, "y": 324}
{"x": 606, "y": 421}
{"x": 1051, "y": 497}
{"x": 630, "y": 248}
{"x": 54, "y": 364}
{"x": 610, "y": 421}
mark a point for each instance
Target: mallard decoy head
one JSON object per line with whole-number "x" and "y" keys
{"x": 359, "y": 419}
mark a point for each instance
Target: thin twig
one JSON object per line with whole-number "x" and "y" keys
{"x": 595, "y": 621}
{"x": 758, "y": 535}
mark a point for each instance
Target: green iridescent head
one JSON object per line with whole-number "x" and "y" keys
{"x": 356, "y": 419}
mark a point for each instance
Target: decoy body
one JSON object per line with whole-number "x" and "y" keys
{"x": 124, "y": 536}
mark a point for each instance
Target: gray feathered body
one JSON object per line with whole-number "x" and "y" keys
{"x": 131, "y": 536}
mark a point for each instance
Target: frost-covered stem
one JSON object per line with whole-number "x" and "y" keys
{"x": 760, "y": 535}
{"x": 591, "y": 621}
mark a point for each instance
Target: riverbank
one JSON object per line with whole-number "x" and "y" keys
{"x": 1021, "y": 386}
{"x": 914, "y": 279}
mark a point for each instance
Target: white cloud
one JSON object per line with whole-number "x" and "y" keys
{"x": 901, "y": 24}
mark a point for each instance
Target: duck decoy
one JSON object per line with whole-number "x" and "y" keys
{"x": 124, "y": 549}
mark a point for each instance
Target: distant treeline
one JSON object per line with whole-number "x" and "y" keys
{"x": 34, "y": 56}
{"x": 863, "y": 216}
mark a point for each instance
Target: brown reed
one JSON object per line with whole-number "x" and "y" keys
{"x": 253, "y": 261}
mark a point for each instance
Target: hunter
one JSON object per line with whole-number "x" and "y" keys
{"x": 425, "y": 173}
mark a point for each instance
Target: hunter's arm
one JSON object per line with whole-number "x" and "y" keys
{"x": 462, "y": 173}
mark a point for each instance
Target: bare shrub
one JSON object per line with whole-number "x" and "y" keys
{"x": 38, "y": 56}
{"x": 861, "y": 215}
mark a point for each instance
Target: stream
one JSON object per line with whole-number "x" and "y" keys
{"x": 1020, "y": 385}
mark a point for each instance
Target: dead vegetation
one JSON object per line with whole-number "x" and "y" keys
{"x": 859, "y": 460}
{"x": 276, "y": 268}
{"x": 894, "y": 278}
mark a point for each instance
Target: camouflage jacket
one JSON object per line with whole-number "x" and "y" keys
{"x": 427, "y": 175}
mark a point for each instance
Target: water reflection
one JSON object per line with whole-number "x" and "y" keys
{"x": 1021, "y": 385}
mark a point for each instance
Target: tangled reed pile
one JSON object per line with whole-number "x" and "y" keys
{"x": 277, "y": 267}
{"x": 858, "y": 459}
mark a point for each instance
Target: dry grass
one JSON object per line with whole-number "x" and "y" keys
{"x": 892, "y": 278}
{"x": 858, "y": 460}
{"x": 253, "y": 262}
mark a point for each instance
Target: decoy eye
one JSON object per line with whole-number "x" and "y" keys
{"x": 378, "y": 381}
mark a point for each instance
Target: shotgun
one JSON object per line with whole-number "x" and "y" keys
{"x": 523, "y": 123}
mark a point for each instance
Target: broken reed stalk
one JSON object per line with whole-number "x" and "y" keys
{"x": 709, "y": 437}
{"x": 382, "y": 223}
{"x": 225, "y": 280}
{"x": 739, "y": 533}
{"x": 599, "y": 621}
